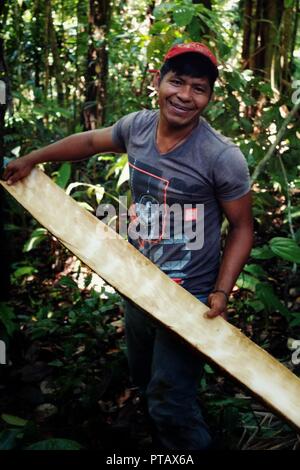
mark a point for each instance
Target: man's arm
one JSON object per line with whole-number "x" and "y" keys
{"x": 236, "y": 252}
{"x": 73, "y": 148}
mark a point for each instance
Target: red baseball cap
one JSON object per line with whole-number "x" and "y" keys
{"x": 197, "y": 47}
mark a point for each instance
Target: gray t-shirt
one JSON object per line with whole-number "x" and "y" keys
{"x": 176, "y": 216}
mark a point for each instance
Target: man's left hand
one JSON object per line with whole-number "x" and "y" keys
{"x": 218, "y": 305}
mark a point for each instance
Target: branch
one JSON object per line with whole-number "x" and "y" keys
{"x": 278, "y": 139}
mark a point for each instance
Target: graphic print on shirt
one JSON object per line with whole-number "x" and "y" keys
{"x": 154, "y": 229}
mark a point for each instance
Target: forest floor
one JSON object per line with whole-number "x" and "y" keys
{"x": 67, "y": 375}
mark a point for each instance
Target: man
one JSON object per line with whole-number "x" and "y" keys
{"x": 177, "y": 160}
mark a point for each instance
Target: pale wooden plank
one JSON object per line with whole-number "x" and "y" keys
{"x": 133, "y": 275}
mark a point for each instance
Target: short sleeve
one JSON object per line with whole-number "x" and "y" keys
{"x": 231, "y": 175}
{"x": 121, "y": 130}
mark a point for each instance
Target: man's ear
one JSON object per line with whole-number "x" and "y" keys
{"x": 156, "y": 80}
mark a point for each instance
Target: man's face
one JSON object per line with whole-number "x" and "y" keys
{"x": 182, "y": 98}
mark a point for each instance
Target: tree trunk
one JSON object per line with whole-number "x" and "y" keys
{"x": 289, "y": 24}
{"x": 81, "y": 44}
{"x": 57, "y": 65}
{"x": 4, "y": 252}
{"x": 37, "y": 33}
{"x": 272, "y": 12}
{"x": 46, "y": 50}
{"x": 261, "y": 38}
{"x": 246, "y": 51}
{"x": 97, "y": 67}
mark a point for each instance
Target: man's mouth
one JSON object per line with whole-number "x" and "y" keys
{"x": 179, "y": 107}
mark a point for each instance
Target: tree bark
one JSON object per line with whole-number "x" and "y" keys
{"x": 37, "y": 33}
{"x": 97, "y": 66}
{"x": 46, "y": 50}
{"x": 247, "y": 23}
{"x": 289, "y": 22}
{"x": 262, "y": 20}
{"x": 57, "y": 67}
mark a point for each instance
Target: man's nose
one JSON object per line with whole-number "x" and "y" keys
{"x": 184, "y": 93}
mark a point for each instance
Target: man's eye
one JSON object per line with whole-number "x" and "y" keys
{"x": 199, "y": 90}
{"x": 176, "y": 82}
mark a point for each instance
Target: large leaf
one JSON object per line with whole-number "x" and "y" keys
{"x": 35, "y": 239}
{"x": 285, "y": 248}
{"x": 183, "y": 15}
{"x": 288, "y": 3}
{"x": 266, "y": 294}
{"x": 55, "y": 444}
{"x": 256, "y": 270}
{"x": 7, "y": 318}
{"x": 247, "y": 282}
{"x": 263, "y": 252}
{"x": 14, "y": 420}
{"x": 63, "y": 175}
{"x": 24, "y": 271}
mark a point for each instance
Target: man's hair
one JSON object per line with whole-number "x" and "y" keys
{"x": 192, "y": 64}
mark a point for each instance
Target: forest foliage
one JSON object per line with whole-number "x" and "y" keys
{"x": 72, "y": 65}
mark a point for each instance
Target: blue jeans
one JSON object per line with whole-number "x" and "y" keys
{"x": 167, "y": 371}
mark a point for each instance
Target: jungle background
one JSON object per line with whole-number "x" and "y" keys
{"x": 71, "y": 65}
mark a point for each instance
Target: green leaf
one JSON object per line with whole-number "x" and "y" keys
{"x": 247, "y": 282}
{"x": 295, "y": 319}
{"x": 56, "y": 363}
{"x": 155, "y": 48}
{"x": 208, "y": 369}
{"x": 257, "y": 305}
{"x": 266, "y": 294}
{"x": 183, "y": 15}
{"x": 86, "y": 206}
{"x": 63, "y": 175}
{"x": 285, "y": 248}
{"x": 14, "y": 420}
{"x": 124, "y": 176}
{"x": 24, "y": 271}
{"x": 194, "y": 29}
{"x": 162, "y": 10}
{"x": 35, "y": 239}
{"x": 288, "y": 3}
{"x": 263, "y": 252}
{"x": 158, "y": 27}
{"x": 7, "y": 318}
{"x": 68, "y": 282}
{"x": 246, "y": 123}
{"x": 55, "y": 444}
{"x": 256, "y": 270}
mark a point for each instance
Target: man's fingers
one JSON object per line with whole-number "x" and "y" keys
{"x": 13, "y": 177}
{"x": 212, "y": 313}
{"x": 6, "y": 173}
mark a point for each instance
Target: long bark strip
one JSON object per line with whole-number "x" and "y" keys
{"x": 136, "y": 277}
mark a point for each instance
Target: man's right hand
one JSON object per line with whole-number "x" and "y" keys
{"x": 18, "y": 169}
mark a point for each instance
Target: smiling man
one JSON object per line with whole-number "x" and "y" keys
{"x": 183, "y": 177}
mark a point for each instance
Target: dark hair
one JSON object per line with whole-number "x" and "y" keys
{"x": 192, "y": 64}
